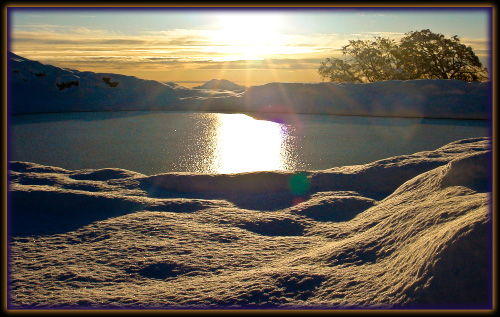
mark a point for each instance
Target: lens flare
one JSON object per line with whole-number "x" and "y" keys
{"x": 299, "y": 184}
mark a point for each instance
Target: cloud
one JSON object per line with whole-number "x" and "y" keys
{"x": 39, "y": 26}
{"x": 391, "y": 35}
{"x": 267, "y": 64}
{"x": 477, "y": 44}
{"x": 88, "y": 48}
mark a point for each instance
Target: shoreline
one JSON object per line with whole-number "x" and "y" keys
{"x": 258, "y": 112}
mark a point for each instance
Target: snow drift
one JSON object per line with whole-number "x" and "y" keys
{"x": 410, "y": 231}
{"x": 35, "y": 87}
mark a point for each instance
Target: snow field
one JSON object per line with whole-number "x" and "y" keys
{"x": 404, "y": 232}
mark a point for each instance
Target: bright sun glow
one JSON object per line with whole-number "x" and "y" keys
{"x": 251, "y": 35}
{"x": 247, "y": 145}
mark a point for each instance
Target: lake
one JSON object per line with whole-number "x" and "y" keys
{"x": 159, "y": 142}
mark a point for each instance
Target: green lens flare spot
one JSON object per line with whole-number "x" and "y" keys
{"x": 299, "y": 183}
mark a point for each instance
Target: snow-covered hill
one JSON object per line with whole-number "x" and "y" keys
{"x": 433, "y": 98}
{"x": 36, "y": 87}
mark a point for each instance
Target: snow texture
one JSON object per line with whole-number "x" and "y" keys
{"x": 53, "y": 89}
{"x": 410, "y": 231}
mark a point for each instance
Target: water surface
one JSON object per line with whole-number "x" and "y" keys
{"x": 158, "y": 142}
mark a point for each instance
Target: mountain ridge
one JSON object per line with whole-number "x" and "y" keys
{"x": 39, "y": 88}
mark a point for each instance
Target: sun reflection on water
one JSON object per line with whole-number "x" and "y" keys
{"x": 245, "y": 144}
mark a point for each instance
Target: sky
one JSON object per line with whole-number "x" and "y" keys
{"x": 248, "y": 46}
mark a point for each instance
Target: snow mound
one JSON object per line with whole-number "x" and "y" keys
{"x": 104, "y": 174}
{"x": 405, "y": 232}
{"x": 340, "y": 206}
{"x": 471, "y": 171}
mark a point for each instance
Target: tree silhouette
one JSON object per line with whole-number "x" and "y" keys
{"x": 418, "y": 55}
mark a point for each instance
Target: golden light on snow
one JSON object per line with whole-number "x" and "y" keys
{"x": 130, "y": 245}
{"x": 245, "y": 144}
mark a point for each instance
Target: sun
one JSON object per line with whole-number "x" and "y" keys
{"x": 252, "y": 34}
{"x": 249, "y": 28}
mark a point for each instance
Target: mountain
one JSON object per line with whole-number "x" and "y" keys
{"x": 221, "y": 84}
{"x": 36, "y": 88}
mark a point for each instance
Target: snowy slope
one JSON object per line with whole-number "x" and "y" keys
{"x": 410, "y": 231}
{"x": 433, "y": 98}
{"x": 36, "y": 87}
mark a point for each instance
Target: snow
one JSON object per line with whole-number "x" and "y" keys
{"x": 221, "y": 84}
{"x": 410, "y": 231}
{"x": 413, "y": 98}
{"x": 93, "y": 92}
{"x": 433, "y": 98}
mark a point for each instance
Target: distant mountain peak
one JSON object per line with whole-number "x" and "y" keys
{"x": 221, "y": 84}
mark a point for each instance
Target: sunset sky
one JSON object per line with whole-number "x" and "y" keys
{"x": 247, "y": 46}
